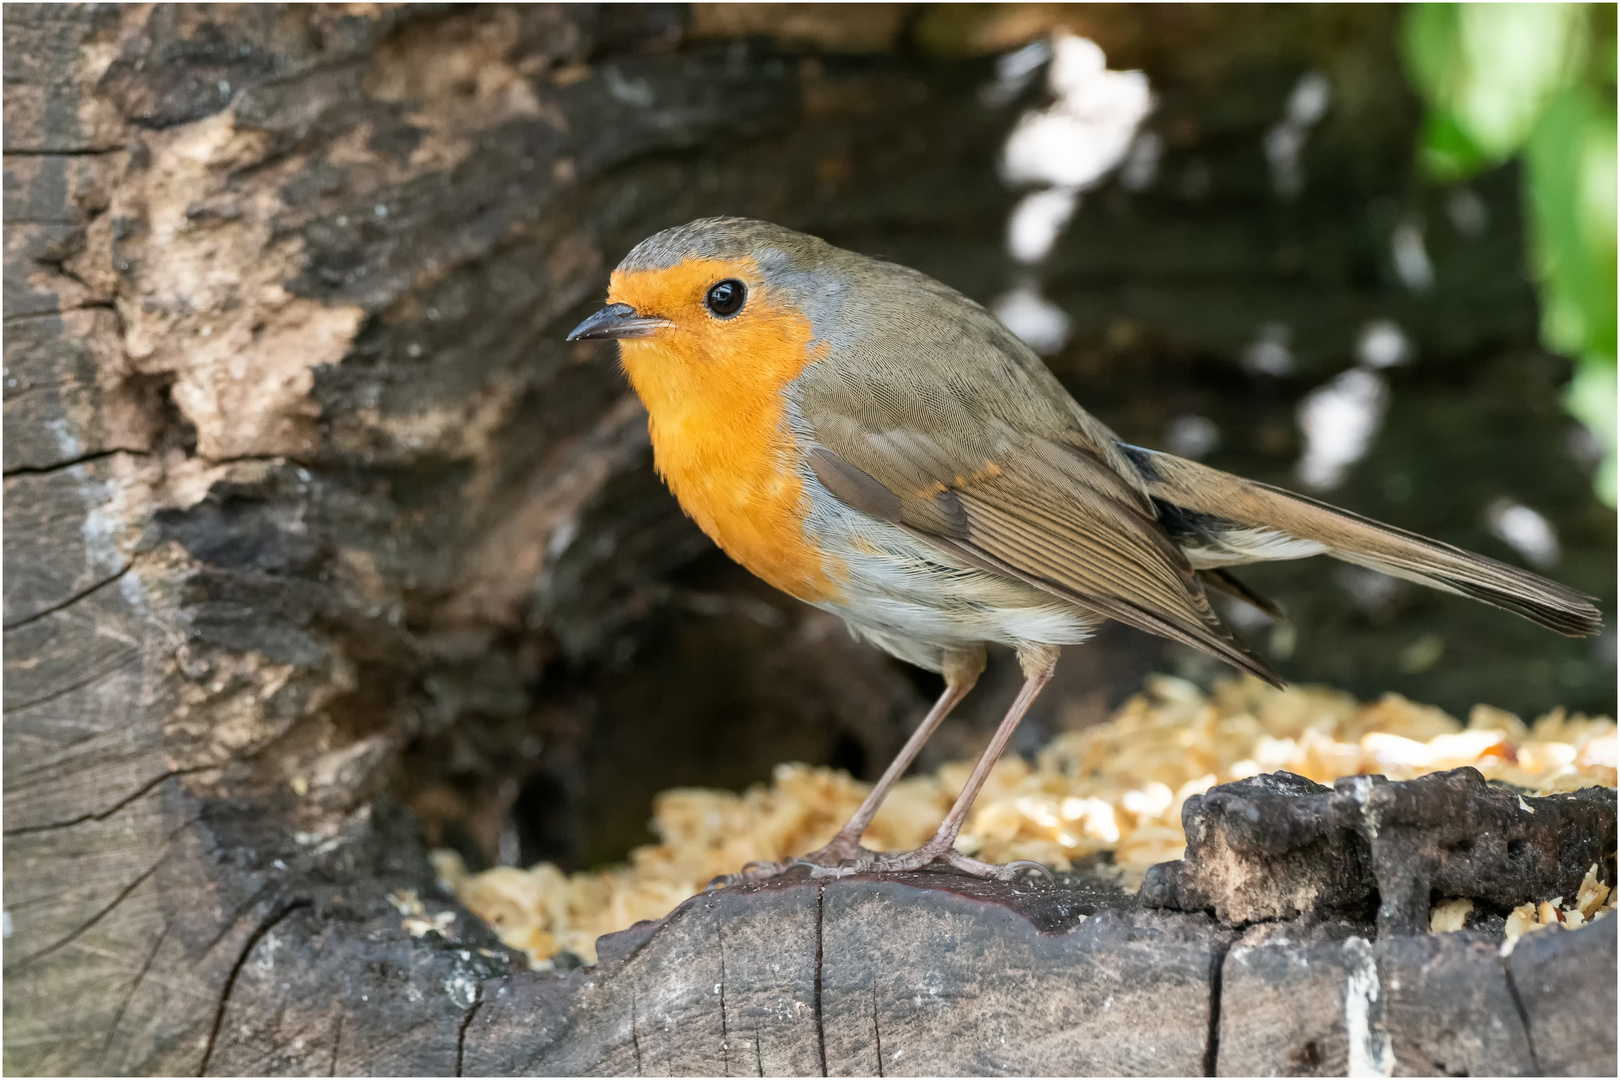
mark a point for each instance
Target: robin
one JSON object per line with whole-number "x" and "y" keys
{"x": 872, "y": 442}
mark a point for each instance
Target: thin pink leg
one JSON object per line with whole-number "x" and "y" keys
{"x": 1038, "y": 667}
{"x": 848, "y": 841}
{"x": 962, "y": 670}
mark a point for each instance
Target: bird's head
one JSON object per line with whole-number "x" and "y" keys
{"x": 721, "y": 309}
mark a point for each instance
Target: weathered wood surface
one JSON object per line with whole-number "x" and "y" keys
{"x": 910, "y": 976}
{"x": 1277, "y": 846}
{"x": 939, "y": 975}
{"x": 310, "y": 513}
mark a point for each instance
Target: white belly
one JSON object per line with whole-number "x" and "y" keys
{"x": 914, "y": 600}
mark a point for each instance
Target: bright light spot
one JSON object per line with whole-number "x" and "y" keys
{"x": 1095, "y": 817}
{"x": 1382, "y": 345}
{"x": 1467, "y": 212}
{"x": 1283, "y": 145}
{"x": 1268, "y": 353}
{"x": 1307, "y": 104}
{"x": 1142, "y": 162}
{"x": 1040, "y": 323}
{"x": 1310, "y": 99}
{"x": 1014, "y": 71}
{"x": 1339, "y": 421}
{"x": 1283, "y": 641}
{"x": 1411, "y": 257}
{"x": 1526, "y": 531}
{"x": 1511, "y": 59}
{"x": 1040, "y": 811}
{"x": 1061, "y": 150}
{"x": 1153, "y": 799}
{"x": 1022, "y": 63}
{"x": 1036, "y": 222}
{"x": 1087, "y": 130}
{"x": 562, "y": 537}
{"x": 1192, "y": 436}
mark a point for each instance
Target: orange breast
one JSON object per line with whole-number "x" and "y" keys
{"x": 714, "y": 396}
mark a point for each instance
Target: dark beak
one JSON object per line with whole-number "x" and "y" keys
{"x": 617, "y": 321}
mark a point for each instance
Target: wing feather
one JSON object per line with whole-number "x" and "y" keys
{"x": 1068, "y": 531}
{"x": 932, "y": 415}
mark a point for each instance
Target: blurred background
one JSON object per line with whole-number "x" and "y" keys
{"x": 1361, "y": 251}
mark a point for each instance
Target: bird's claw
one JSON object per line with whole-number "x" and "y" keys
{"x": 1012, "y": 870}
{"x": 831, "y": 862}
{"x": 753, "y": 870}
{"x": 834, "y": 860}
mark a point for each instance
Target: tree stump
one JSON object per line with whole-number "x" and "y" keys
{"x": 320, "y": 541}
{"x": 933, "y": 975}
{"x": 937, "y": 974}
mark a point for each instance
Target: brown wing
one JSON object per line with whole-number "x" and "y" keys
{"x": 931, "y": 414}
{"x": 1052, "y": 515}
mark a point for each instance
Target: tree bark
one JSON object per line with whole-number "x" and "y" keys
{"x": 934, "y": 975}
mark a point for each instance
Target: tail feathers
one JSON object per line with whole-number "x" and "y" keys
{"x": 1221, "y": 519}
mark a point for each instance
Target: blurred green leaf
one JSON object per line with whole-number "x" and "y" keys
{"x": 1446, "y": 151}
{"x": 1430, "y": 44}
{"x": 1590, "y": 399}
{"x": 1489, "y": 70}
{"x": 1537, "y": 80}
{"x": 1570, "y": 186}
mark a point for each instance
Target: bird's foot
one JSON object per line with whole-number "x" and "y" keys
{"x": 845, "y": 860}
{"x": 934, "y": 853}
{"x": 840, "y": 858}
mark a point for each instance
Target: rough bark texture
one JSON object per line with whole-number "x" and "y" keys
{"x": 917, "y": 975}
{"x": 1278, "y": 846}
{"x": 932, "y": 975}
{"x": 936, "y": 974}
{"x": 320, "y": 542}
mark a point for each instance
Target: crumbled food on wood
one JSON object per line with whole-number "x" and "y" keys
{"x": 406, "y": 902}
{"x": 419, "y": 925}
{"x": 1450, "y": 915}
{"x": 1588, "y": 904}
{"x": 1115, "y": 788}
{"x": 418, "y": 921}
{"x": 1520, "y": 921}
{"x": 1592, "y": 894}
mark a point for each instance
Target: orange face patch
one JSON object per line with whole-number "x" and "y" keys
{"x": 713, "y": 388}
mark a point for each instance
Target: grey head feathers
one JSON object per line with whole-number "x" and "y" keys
{"x": 727, "y": 238}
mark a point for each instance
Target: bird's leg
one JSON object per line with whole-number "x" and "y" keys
{"x": 1038, "y": 664}
{"x": 847, "y": 844}
{"x": 961, "y": 673}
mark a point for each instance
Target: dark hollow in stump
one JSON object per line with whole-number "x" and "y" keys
{"x": 322, "y": 547}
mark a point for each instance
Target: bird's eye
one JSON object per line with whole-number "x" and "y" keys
{"x": 726, "y": 298}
